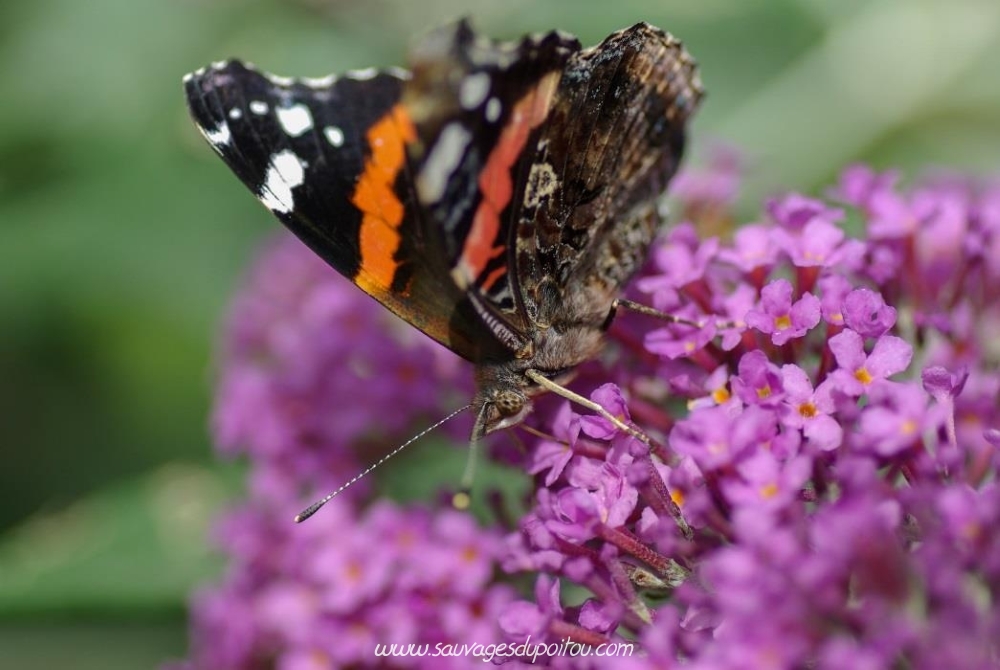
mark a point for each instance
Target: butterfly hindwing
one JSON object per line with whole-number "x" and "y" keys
{"x": 328, "y": 158}
{"x": 610, "y": 145}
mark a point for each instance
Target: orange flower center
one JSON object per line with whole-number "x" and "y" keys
{"x": 677, "y": 496}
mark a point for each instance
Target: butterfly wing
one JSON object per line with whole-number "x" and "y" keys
{"x": 610, "y": 145}
{"x": 477, "y": 104}
{"x": 502, "y": 183}
{"x": 328, "y": 158}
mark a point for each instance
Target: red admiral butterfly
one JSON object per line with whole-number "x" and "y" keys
{"x": 497, "y": 197}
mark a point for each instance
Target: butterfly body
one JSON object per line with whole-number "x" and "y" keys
{"x": 497, "y": 196}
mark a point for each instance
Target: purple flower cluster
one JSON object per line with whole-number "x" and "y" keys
{"x": 821, "y": 492}
{"x": 323, "y": 594}
{"x": 313, "y": 371}
{"x": 826, "y": 493}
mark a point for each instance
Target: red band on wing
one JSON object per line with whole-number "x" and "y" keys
{"x": 375, "y": 196}
{"x": 493, "y": 277}
{"x": 496, "y": 185}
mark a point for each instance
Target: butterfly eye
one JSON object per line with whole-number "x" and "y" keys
{"x": 505, "y": 408}
{"x": 509, "y": 403}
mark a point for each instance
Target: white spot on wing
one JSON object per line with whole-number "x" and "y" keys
{"x": 399, "y": 73}
{"x": 320, "y": 82}
{"x": 493, "y": 109}
{"x": 199, "y": 73}
{"x": 473, "y": 90}
{"x": 218, "y": 137}
{"x": 295, "y": 120}
{"x": 441, "y": 162}
{"x": 283, "y": 174}
{"x": 363, "y": 75}
{"x": 542, "y": 183}
{"x": 334, "y": 135}
{"x": 220, "y": 64}
{"x": 235, "y": 113}
{"x": 277, "y": 80}
{"x": 258, "y": 107}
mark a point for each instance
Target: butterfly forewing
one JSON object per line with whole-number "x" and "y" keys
{"x": 328, "y": 157}
{"x": 297, "y": 147}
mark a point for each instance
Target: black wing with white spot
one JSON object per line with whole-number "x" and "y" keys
{"x": 299, "y": 145}
{"x": 327, "y": 157}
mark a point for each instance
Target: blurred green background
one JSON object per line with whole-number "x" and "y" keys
{"x": 122, "y": 237}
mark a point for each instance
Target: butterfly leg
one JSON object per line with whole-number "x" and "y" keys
{"x": 656, "y": 314}
{"x": 558, "y": 389}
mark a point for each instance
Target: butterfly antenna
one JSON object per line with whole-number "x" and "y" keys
{"x": 639, "y": 308}
{"x": 315, "y": 507}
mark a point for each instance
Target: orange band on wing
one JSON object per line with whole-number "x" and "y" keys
{"x": 495, "y": 182}
{"x": 375, "y": 196}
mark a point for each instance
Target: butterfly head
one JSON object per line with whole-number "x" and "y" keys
{"x": 505, "y": 391}
{"x": 502, "y": 399}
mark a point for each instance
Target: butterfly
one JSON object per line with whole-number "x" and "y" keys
{"x": 496, "y": 195}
